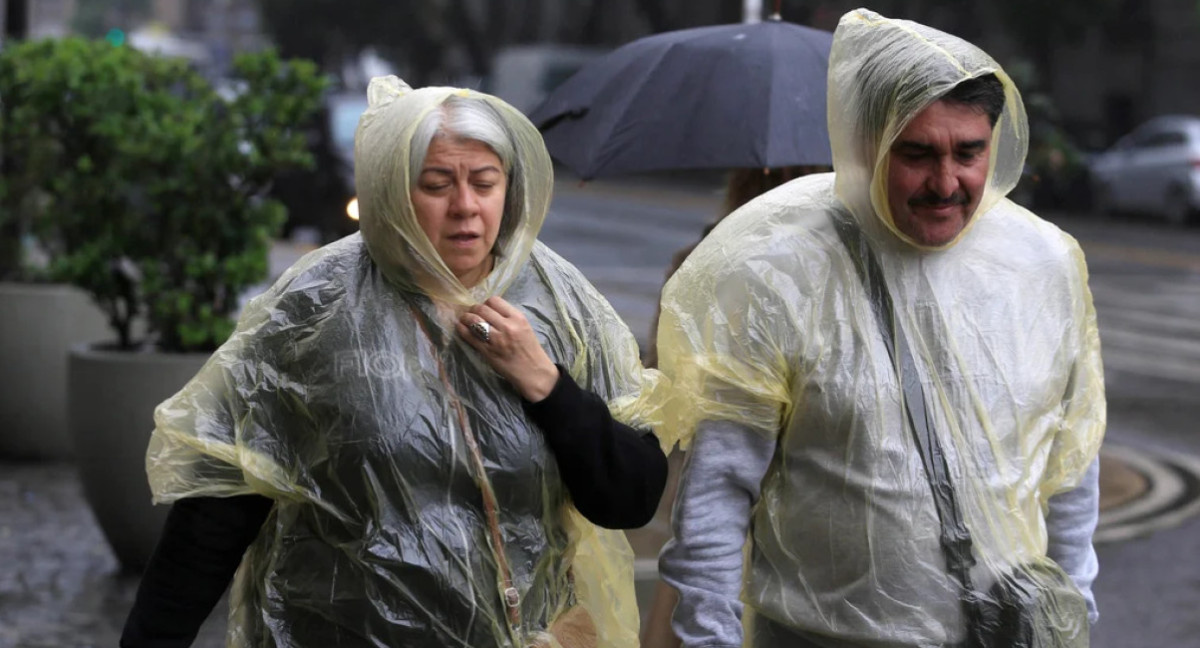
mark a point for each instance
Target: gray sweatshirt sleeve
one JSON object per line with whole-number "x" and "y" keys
{"x": 1070, "y": 523}
{"x": 718, "y": 488}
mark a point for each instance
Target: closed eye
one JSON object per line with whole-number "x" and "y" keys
{"x": 913, "y": 151}
{"x": 971, "y": 150}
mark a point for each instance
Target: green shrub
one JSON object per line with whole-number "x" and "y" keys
{"x": 143, "y": 185}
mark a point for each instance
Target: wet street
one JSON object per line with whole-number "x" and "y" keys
{"x": 59, "y": 582}
{"x": 59, "y": 586}
{"x": 1146, "y": 284}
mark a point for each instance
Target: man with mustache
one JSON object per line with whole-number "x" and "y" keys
{"x": 890, "y": 378}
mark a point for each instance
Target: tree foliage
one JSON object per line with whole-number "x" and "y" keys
{"x": 332, "y": 32}
{"x": 1039, "y": 27}
{"x": 144, "y": 186}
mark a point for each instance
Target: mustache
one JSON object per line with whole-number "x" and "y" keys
{"x": 934, "y": 200}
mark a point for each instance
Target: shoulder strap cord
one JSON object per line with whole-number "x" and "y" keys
{"x": 508, "y": 593}
{"x": 954, "y": 538}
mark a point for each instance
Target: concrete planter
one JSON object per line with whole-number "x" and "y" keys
{"x": 38, "y": 325}
{"x": 112, "y": 399}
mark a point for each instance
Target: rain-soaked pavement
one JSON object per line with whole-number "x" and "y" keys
{"x": 59, "y": 583}
{"x": 60, "y": 586}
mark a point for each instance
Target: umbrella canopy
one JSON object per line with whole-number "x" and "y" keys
{"x": 744, "y": 95}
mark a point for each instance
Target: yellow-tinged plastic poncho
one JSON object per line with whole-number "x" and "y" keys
{"x": 768, "y": 325}
{"x": 331, "y": 398}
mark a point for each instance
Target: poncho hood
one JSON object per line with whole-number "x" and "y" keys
{"x": 384, "y": 180}
{"x": 882, "y": 73}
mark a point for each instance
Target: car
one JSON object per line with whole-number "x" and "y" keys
{"x": 1153, "y": 170}
{"x": 345, "y": 109}
{"x": 524, "y": 75}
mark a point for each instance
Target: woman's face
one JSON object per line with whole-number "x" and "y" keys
{"x": 459, "y": 201}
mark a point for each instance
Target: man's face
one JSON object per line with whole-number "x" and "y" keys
{"x": 937, "y": 169}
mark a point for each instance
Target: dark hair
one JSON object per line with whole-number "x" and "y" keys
{"x": 985, "y": 93}
{"x": 746, "y": 184}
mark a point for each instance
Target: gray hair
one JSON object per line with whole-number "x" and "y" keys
{"x": 474, "y": 119}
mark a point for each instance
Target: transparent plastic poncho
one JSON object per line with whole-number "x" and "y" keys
{"x": 339, "y": 397}
{"x": 768, "y": 325}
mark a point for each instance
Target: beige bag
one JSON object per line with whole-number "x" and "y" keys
{"x": 574, "y": 628}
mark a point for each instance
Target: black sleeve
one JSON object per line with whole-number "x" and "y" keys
{"x": 201, "y": 546}
{"x": 615, "y": 474}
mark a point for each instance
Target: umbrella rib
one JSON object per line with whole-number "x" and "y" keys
{"x": 607, "y": 150}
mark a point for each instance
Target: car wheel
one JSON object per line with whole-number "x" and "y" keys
{"x": 1176, "y": 208}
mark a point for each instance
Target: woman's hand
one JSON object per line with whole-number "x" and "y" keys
{"x": 511, "y": 347}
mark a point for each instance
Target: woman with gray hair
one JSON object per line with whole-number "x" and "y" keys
{"x": 394, "y": 453}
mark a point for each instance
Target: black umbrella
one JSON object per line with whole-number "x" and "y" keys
{"x": 744, "y": 95}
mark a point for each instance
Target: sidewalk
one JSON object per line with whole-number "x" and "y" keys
{"x": 60, "y": 586}
{"x": 59, "y": 582}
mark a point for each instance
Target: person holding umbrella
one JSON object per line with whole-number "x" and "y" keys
{"x": 755, "y": 94}
{"x": 742, "y": 185}
{"x": 890, "y": 380}
{"x": 424, "y": 434}
{"x": 755, "y": 105}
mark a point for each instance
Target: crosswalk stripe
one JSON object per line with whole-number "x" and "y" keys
{"x": 614, "y": 239}
{"x": 1141, "y": 320}
{"x": 630, "y": 219}
{"x": 1169, "y": 346}
{"x": 1135, "y": 362}
{"x": 1149, "y": 325}
{"x": 1114, "y": 299}
{"x": 1146, "y": 256}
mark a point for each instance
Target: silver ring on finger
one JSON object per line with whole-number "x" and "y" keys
{"x": 482, "y": 330}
